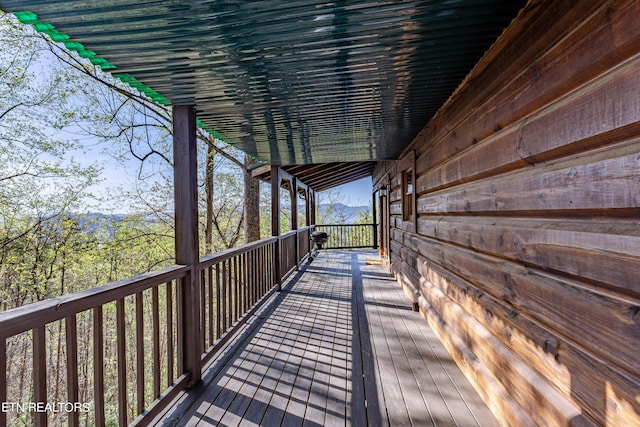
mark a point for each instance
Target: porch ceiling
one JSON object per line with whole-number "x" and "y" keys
{"x": 290, "y": 82}
{"x": 322, "y": 176}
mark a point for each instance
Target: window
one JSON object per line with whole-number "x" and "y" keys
{"x": 407, "y": 195}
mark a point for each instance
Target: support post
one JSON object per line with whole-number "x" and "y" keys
{"x": 294, "y": 217}
{"x": 312, "y": 212}
{"x": 294, "y": 204}
{"x": 307, "y": 207}
{"x": 375, "y": 220}
{"x": 186, "y": 235}
{"x": 275, "y": 220}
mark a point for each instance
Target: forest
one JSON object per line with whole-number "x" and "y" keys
{"x": 67, "y": 225}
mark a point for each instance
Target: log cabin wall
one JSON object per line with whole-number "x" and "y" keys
{"x": 524, "y": 248}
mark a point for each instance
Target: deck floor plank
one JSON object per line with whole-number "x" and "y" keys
{"x": 414, "y": 376}
{"x": 338, "y": 346}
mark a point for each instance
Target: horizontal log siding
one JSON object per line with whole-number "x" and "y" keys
{"x": 525, "y": 256}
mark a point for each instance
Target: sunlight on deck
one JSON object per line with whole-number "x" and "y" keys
{"x": 339, "y": 345}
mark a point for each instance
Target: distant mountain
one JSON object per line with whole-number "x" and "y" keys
{"x": 94, "y": 222}
{"x": 340, "y": 213}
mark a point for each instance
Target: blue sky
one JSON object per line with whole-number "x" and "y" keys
{"x": 116, "y": 176}
{"x": 356, "y": 193}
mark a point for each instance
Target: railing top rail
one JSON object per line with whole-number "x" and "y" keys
{"x": 344, "y": 225}
{"x": 289, "y": 234}
{"x": 21, "y": 319}
{"x": 294, "y": 232}
{"x": 211, "y": 259}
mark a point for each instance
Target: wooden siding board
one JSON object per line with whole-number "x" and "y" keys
{"x": 538, "y": 294}
{"x": 538, "y": 26}
{"x": 571, "y": 369}
{"x": 472, "y": 344}
{"x": 605, "y": 252}
{"x": 579, "y": 57}
{"x": 577, "y": 187}
{"x": 528, "y": 215}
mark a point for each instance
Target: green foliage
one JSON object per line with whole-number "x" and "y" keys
{"x": 364, "y": 217}
{"x": 50, "y": 243}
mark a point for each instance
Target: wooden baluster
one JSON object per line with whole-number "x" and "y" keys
{"x": 243, "y": 282}
{"x": 238, "y": 292}
{"x": 203, "y": 308}
{"x": 218, "y": 302}
{"x": 212, "y": 326}
{"x": 155, "y": 323}
{"x": 225, "y": 293}
{"x": 233, "y": 281}
{"x": 253, "y": 261}
{"x": 170, "y": 335}
{"x": 40, "y": 374}
{"x": 122, "y": 362}
{"x": 261, "y": 257}
{"x": 140, "y": 352}
{"x": 3, "y": 379}
{"x": 98, "y": 366}
{"x": 72, "y": 369}
{"x": 234, "y": 291}
{"x": 245, "y": 276}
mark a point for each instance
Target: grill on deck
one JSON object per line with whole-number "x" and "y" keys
{"x": 318, "y": 238}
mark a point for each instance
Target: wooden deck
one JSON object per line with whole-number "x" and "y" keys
{"x": 339, "y": 345}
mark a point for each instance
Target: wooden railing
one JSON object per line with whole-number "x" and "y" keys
{"x": 294, "y": 246}
{"x": 232, "y": 283}
{"x": 122, "y": 369}
{"x": 349, "y": 236}
{"x": 122, "y": 344}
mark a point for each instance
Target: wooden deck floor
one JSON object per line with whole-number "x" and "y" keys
{"x": 339, "y": 345}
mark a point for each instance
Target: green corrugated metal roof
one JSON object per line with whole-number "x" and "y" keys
{"x": 292, "y": 82}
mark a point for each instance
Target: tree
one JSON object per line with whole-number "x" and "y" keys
{"x": 40, "y": 182}
{"x": 132, "y": 125}
{"x": 251, "y": 202}
{"x": 331, "y": 209}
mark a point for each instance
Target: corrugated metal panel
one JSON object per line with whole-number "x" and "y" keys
{"x": 293, "y": 82}
{"x": 322, "y": 176}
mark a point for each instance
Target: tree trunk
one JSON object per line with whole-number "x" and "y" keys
{"x": 208, "y": 228}
{"x": 251, "y": 203}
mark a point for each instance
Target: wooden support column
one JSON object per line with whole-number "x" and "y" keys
{"x": 294, "y": 216}
{"x": 307, "y": 207}
{"x": 375, "y": 220}
{"x": 312, "y": 207}
{"x": 186, "y": 235}
{"x": 294, "y": 204}
{"x": 275, "y": 221}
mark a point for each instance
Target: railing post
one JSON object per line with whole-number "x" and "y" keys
{"x": 312, "y": 208}
{"x": 375, "y": 219}
{"x": 186, "y": 235}
{"x": 294, "y": 217}
{"x": 275, "y": 222}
